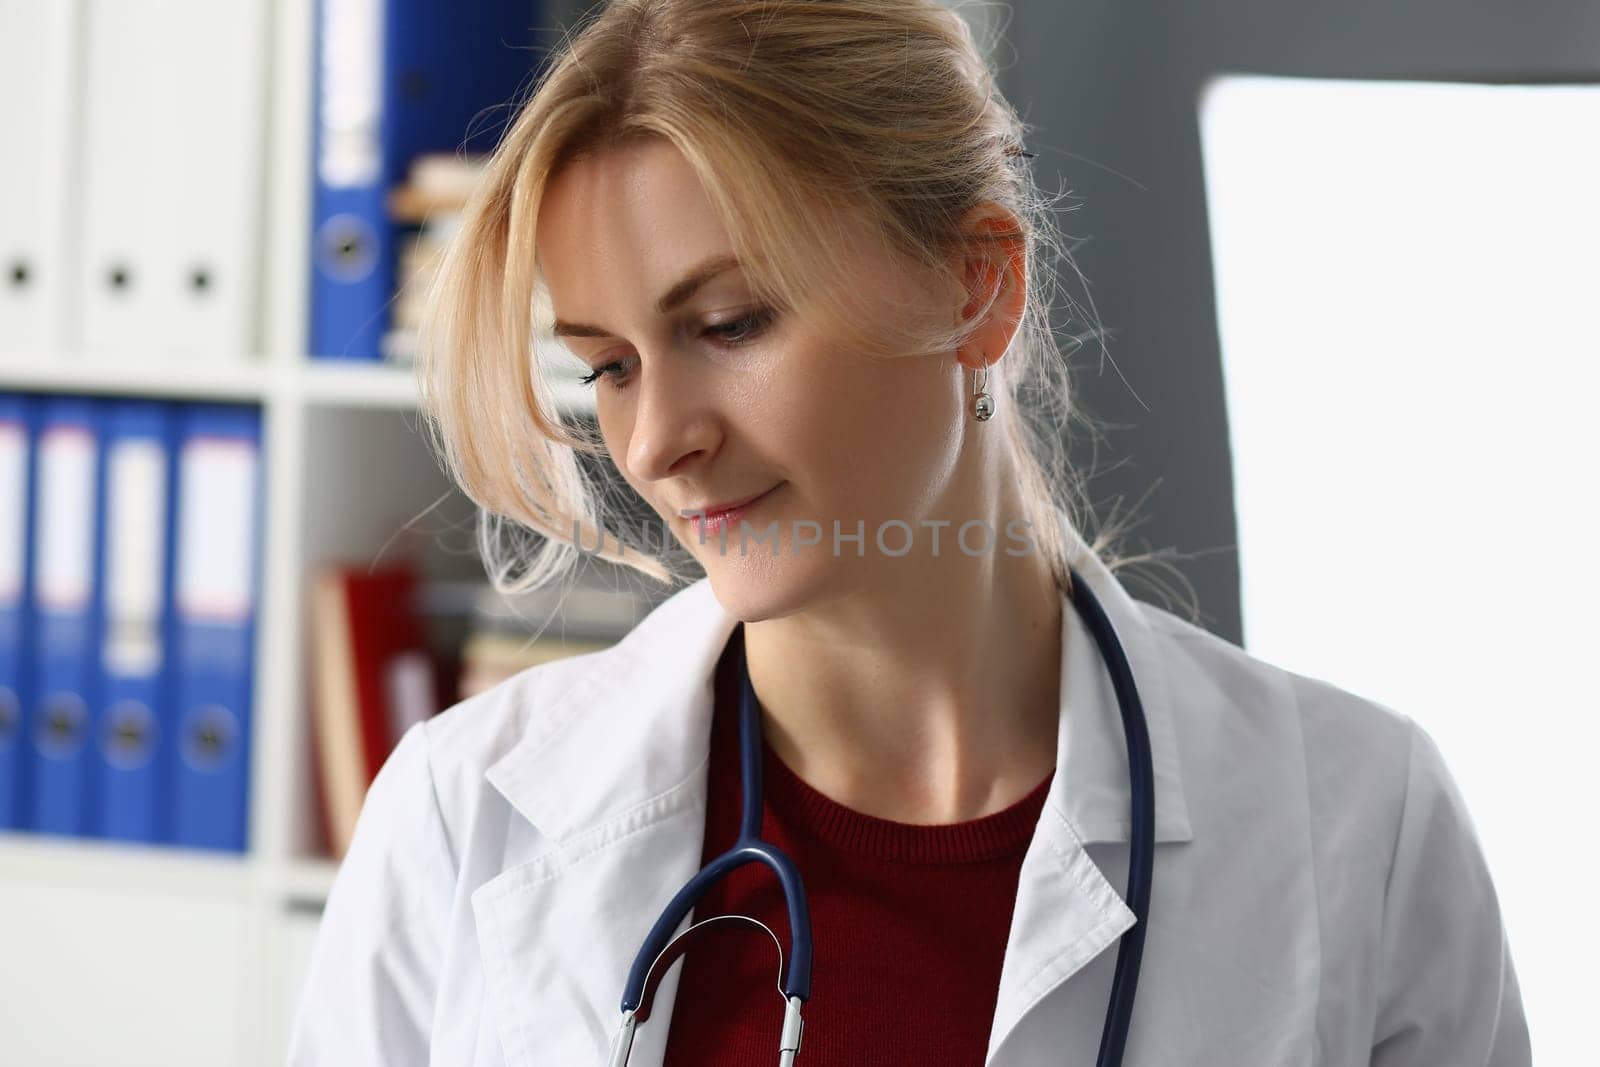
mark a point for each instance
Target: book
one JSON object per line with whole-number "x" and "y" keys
{"x": 374, "y": 678}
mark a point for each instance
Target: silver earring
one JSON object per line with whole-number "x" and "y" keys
{"x": 982, "y": 402}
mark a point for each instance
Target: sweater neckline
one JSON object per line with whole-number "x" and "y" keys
{"x": 998, "y": 835}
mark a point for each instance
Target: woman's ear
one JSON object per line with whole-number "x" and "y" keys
{"x": 995, "y": 271}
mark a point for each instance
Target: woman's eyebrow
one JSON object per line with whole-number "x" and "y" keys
{"x": 669, "y": 301}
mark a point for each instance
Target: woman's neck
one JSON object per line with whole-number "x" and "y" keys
{"x": 931, "y": 695}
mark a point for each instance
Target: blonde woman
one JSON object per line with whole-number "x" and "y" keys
{"x": 999, "y": 812}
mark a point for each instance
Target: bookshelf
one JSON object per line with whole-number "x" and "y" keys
{"x": 179, "y": 956}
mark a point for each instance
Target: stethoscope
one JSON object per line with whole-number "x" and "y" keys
{"x": 656, "y": 955}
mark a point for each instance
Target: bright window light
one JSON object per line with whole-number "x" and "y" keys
{"x": 1408, "y": 294}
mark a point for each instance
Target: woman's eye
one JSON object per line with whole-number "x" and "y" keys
{"x": 605, "y": 371}
{"x": 740, "y": 331}
{"x": 743, "y": 330}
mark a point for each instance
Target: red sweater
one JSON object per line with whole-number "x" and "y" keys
{"x": 909, "y": 925}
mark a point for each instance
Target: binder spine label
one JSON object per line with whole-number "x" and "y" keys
{"x": 351, "y": 105}
{"x": 65, "y": 562}
{"x": 13, "y": 510}
{"x": 137, "y": 474}
{"x": 215, "y": 569}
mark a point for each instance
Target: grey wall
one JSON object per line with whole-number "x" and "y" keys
{"x": 1111, "y": 88}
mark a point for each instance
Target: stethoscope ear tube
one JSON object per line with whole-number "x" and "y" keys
{"x": 795, "y": 971}
{"x": 1141, "y": 851}
{"x": 793, "y": 1024}
{"x": 796, "y": 981}
{"x": 622, "y": 1045}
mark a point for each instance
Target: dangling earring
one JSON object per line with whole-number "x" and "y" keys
{"x": 982, "y": 402}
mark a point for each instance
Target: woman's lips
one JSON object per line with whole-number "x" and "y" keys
{"x": 716, "y": 523}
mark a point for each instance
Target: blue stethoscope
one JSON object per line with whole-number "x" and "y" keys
{"x": 656, "y": 955}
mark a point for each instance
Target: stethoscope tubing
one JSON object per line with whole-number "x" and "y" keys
{"x": 1141, "y": 851}
{"x": 748, "y": 848}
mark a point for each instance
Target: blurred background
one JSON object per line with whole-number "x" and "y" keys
{"x": 1345, "y": 259}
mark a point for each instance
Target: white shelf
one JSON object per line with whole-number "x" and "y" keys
{"x": 381, "y": 385}
{"x": 325, "y": 384}
{"x": 67, "y": 861}
{"x": 358, "y": 384}
{"x": 139, "y": 375}
{"x": 61, "y": 861}
{"x": 304, "y": 880}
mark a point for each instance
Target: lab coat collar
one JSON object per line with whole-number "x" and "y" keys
{"x": 634, "y": 721}
{"x": 612, "y": 771}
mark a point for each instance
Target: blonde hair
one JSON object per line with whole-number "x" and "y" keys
{"x": 781, "y": 107}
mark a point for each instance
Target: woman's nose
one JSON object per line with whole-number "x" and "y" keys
{"x": 673, "y": 417}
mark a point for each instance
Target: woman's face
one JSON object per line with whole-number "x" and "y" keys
{"x": 706, "y": 398}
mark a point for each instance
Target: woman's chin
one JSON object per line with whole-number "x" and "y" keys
{"x": 753, "y": 587}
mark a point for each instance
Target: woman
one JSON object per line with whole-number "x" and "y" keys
{"x": 800, "y": 252}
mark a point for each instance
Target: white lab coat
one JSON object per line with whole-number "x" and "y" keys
{"x": 1319, "y": 893}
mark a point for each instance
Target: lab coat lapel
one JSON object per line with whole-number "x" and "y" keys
{"x": 1066, "y": 911}
{"x": 558, "y": 934}
{"x": 612, "y": 773}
